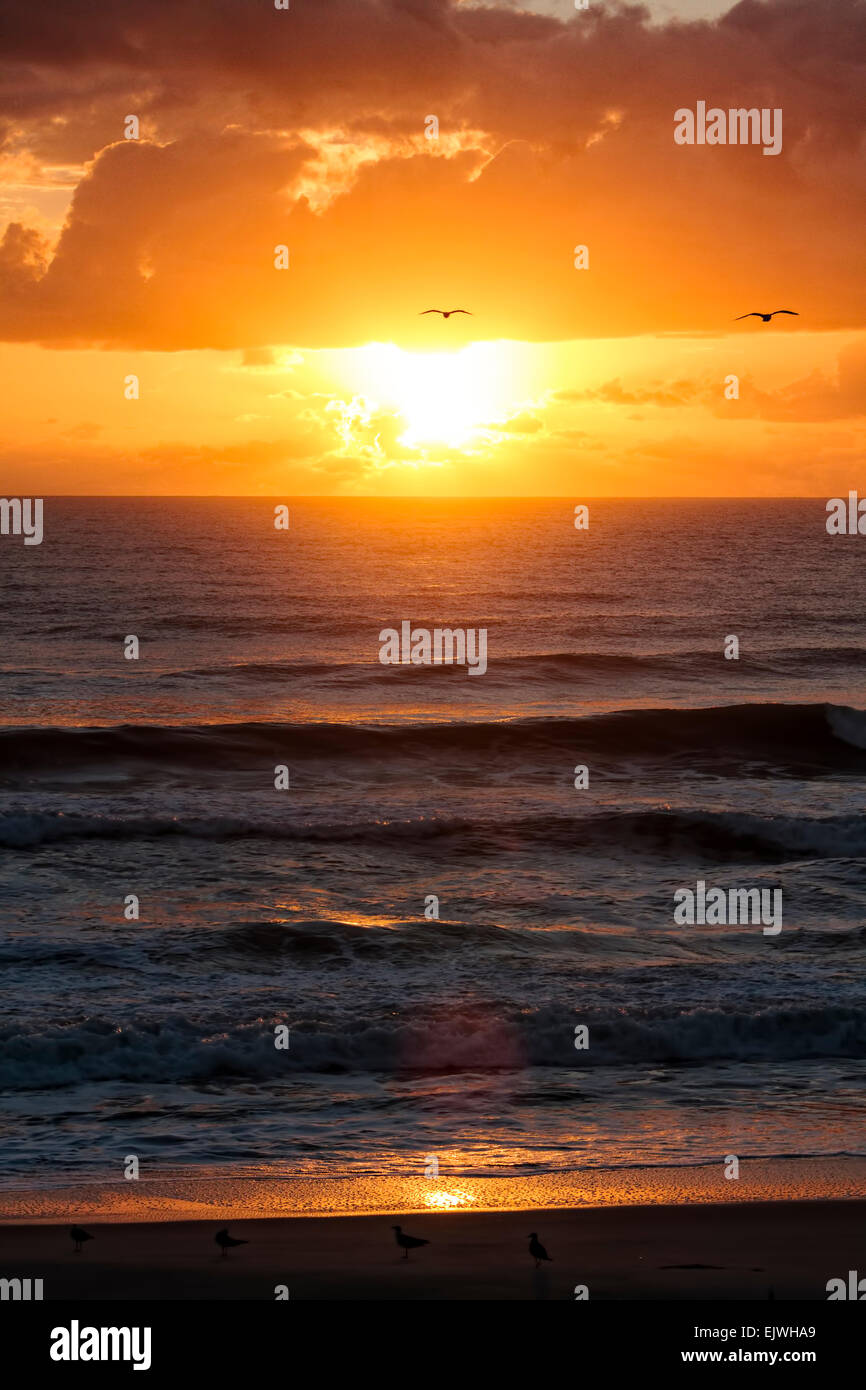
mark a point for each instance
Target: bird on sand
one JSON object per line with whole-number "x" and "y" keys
{"x": 537, "y": 1250}
{"x": 765, "y": 318}
{"x": 407, "y": 1243}
{"x": 227, "y": 1242}
{"x": 79, "y": 1236}
{"x": 446, "y": 313}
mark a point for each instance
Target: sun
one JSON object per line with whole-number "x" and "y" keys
{"x": 443, "y": 397}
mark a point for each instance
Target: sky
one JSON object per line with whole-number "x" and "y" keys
{"x": 155, "y": 257}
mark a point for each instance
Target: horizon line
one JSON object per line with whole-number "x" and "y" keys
{"x": 426, "y": 497}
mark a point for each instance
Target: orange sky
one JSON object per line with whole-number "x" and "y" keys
{"x": 155, "y": 256}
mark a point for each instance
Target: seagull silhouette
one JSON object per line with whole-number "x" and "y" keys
{"x": 227, "y": 1242}
{"x": 79, "y": 1236}
{"x": 446, "y": 313}
{"x": 765, "y": 318}
{"x": 537, "y": 1250}
{"x": 407, "y": 1243}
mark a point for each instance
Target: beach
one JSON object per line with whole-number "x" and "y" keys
{"x": 783, "y": 1250}
{"x": 623, "y": 1234}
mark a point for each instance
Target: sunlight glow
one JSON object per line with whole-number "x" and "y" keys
{"x": 444, "y": 397}
{"x": 447, "y": 1201}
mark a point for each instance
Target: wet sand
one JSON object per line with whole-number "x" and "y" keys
{"x": 234, "y": 1196}
{"x": 704, "y": 1251}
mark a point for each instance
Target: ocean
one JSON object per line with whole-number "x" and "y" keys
{"x": 412, "y": 1037}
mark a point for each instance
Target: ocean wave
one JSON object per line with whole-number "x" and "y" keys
{"x": 505, "y": 670}
{"x": 542, "y": 667}
{"x": 312, "y": 942}
{"x": 784, "y": 736}
{"x": 255, "y": 947}
{"x": 711, "y": 835}
{"x": 176, "y": 1050}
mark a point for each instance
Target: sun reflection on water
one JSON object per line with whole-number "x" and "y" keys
{"x": 447, "y": 1201}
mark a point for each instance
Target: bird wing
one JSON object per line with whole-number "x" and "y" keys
{"x": 460, "y": 311}
{"x": 430, "y": 311}
{"x": 753, "y": 315}
{"x": 787, "y": 311}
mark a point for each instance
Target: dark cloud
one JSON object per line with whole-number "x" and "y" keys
{"x": 169, "y": 241}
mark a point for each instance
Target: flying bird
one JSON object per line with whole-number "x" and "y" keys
{"x": 765, "y": 318}
{"x": 79, "y": 1236}
{"x": 446, "y": 313}
{"x": 407, "y": 1243}
{"x": 537, "y": 1250}
{"x": 227, "y": 1242}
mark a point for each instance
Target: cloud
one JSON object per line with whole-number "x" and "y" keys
{"x": 560, "y": 131}
{"x": 614, "y": 393}
{"x": 817, "y": 397}
{"x": 522, "y": 423}
{"x": 258, "y": 357}
{"x": 836, "y": 392}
